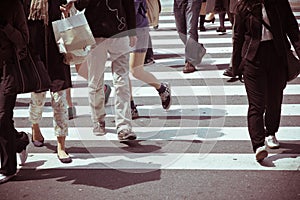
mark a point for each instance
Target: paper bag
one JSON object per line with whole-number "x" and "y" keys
{"x": 73, "y": 33}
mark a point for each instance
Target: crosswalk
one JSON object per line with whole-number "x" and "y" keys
{"x": 205, "y": 128}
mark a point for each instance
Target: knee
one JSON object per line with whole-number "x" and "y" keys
{"x": 137, "y": 71}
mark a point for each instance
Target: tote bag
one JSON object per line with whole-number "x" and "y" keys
{"x": 27, "y": 75}
{"x": 73, "y": 37}
{"x": 293, "y": 65}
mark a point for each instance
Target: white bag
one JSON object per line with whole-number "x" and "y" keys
{"x": 73, "y": 37}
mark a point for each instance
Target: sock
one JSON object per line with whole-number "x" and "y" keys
{"x": 132, "y": 105}
{"x": 161, "y": 89}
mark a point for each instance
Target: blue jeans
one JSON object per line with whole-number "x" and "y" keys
{"x": 186, "y": 14}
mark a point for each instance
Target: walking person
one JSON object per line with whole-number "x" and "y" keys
{"x": 14, "y": 38}
{"x": 259, "y": 53}
{"x": 113, "y": 26}
{"x": 186, "y": 14}
{"x": 137, "y": 57}
{"x": 40, "y": 15}
{"x": 153, "y": 11}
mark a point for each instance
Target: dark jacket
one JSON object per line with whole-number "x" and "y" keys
{"x": 14, "y": 34}
{"x": 248, "y": 28}
{"x": 42, "y": 41}
{"x": 14, "y": 38}
{"x": 109, "y": 18}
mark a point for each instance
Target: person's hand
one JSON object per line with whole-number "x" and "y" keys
{"x": 132, "y": 41}
{"x": 3, "y": 22}
{"x": 65, "y": 9}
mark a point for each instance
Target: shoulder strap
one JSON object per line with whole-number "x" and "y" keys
{"x": 262, "y": 21}
{"x": 142, "y": 10}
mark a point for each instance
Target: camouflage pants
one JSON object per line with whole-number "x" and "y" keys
{"x": 59, "y": 106}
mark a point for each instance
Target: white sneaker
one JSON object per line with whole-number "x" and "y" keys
{"x": 261, "y": 153}
{"x": 23, "y": 157}
{"x": 272, "y": 142}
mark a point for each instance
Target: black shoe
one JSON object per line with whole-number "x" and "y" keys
{"x": 221, "y": 29}
{"x": 165, "y": 96}
{"x": 134, "y": 112}
{"x": 202, "y": 28}
{"x": 229, "y": 72}
{"x": 149, "y": 61}
{"x": 126, "y": 134}
{"x": 65, "y": 160}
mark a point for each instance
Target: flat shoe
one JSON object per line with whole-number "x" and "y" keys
{"x": 38, "y": 143}
{"x": 65, "y": 160}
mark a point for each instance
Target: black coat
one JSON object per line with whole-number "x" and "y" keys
{"x": 247, "y": 31}
{"x": 114, "y": 18}
{"x": 58, "y": 71}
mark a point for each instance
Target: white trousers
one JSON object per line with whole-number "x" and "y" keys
{"x": 118, "y": 50}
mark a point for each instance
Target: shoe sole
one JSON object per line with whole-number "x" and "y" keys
{"x": 186, "y": 72}
{"x": 99, "y": 133}
{"x": 150, "y": 63}
{"x": 261, "y": 155}
{"x": 129, "y": 137}
{"x": 273, "y": 147}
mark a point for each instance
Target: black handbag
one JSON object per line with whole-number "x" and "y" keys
{"x": 293, "y": 66}
{"x": 293, "y": 63}
{"x": 26, "y": 75}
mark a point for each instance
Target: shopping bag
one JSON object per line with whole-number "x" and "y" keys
{"x": 73, "y": 33}
{"x": 74, "y": 38}
{"x": 153, "y": 10}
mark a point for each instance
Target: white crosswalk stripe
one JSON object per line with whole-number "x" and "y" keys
{"x": 181, "y": 125}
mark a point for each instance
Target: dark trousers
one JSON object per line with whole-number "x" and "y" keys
{"x": 7, "y": 134}
{"x": 265, "y": 79}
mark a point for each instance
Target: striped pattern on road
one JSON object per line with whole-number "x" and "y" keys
{"x": 176, "y": 139}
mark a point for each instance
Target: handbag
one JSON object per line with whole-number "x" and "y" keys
{"x": 28, "y": 74}
{"x": 73, "y": 37}
{"x": 293, "y": 63}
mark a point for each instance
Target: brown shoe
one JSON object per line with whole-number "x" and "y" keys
{"x": 189, "y": 68}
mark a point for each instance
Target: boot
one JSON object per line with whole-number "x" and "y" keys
{"x": 201, "y": 23}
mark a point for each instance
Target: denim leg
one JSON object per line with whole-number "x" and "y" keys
{"x": 36, "y": 106}
{"x": 180, "y": 20}
{"x": 186, "y": 14}
{"x": 96, "y": 66}
{"x": 192, "y": 17}
{"x": 119, "y": 52}
{"x": 60, "y": 116}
